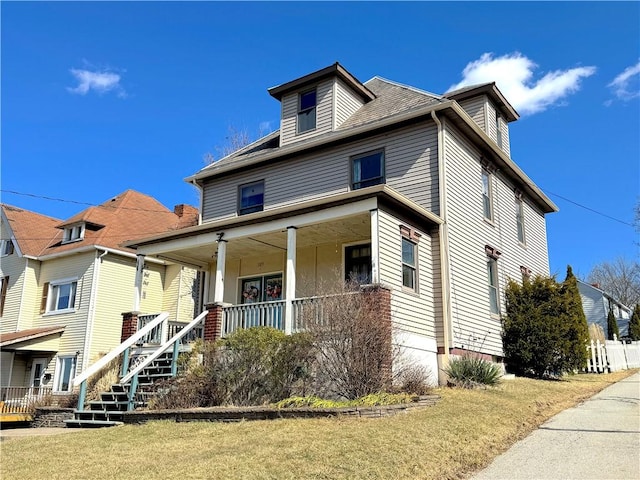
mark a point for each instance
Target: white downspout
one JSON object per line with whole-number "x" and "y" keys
{"x": 445, "y": 275}
{"x": 138, "y": 282}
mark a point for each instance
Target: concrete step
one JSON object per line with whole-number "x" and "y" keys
{"x": 75, "y": 423}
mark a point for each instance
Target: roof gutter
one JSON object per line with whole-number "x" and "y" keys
{"x": 89, "y": 248}
{"x": 321, "y": 142}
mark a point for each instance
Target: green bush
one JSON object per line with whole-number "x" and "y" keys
{"x": 544, "y": 330}
{"x": 250, "y": 367}
{"x": 471, "y": 371}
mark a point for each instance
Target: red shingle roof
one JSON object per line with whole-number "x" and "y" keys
{"x": 125, "y": 217}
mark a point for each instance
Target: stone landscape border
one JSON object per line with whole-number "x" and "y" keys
{"x": 237, "y": 414}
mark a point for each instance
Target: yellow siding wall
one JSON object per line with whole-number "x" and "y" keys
{"x": 78, "y": 266}
{"x": 6, "y": 358}
{"x": 178, "y": 292}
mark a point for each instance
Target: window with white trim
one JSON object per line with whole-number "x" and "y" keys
{"x": 65, "y": 371}
{"x": 307, "y": 102}
{"x": 59, "y": 296}
{"x": 520, "y": 220}
{"x": 6, "y": 248}
{"x": 74, "y": 233}
{"x": 367, "y": 169}
{"x": 492, "y": 279}
{"x": 487, "y": 194}
{"x": 409, "y": 264}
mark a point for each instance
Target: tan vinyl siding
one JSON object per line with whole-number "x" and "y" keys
{"x": 476, "y": 108}
{"x": 20, "y": 372}
{"x": 506, "y": 146}
{"x": 472, "y": 322}
{"x": 31, "y": 294}
{"x": 78, "y": 266}
{"x": 324, "y": 114}
{"x": 152, "y": 288}
{"x": 172, "y": 287}
{"x": 411, "y": 311}
{"x": 347, "y": 102}
{"x": 410, "y": 161}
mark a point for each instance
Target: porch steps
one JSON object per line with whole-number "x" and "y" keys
{"x": 109, "y": 410}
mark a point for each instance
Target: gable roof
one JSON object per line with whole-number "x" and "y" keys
{"x": 32, "y": 231}
{"x": 596, "y": 288}
{"x": 124, "y": 217}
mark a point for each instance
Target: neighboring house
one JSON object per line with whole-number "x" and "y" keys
{"x": 382, "y": 182}
{"x": 65, "y": 285}
{"x": 596, "y": 304}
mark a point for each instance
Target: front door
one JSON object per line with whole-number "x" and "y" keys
{"x": 38, "y": 368}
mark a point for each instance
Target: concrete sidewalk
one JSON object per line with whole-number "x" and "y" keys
{"x": 9, "y": 433}
{"x": 599, "y": 439}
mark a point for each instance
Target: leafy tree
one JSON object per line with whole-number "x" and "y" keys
{"x": 634, "y": 324}
{"x": 620, "y": 279}
{"x": 544, "y": 329}
{"x": 612, "y": 325}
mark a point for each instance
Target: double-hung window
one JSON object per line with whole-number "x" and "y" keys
{"x": 6, "y": 248}
{"x": 59, "y": 296}
{"x": 487, "y": 203}
{"x": 307, "y": 102}
{"x": 520, "y": 220}
{"x": 65, "y": 371}
{"x": 251, "y": 198}
{"x": 492, "y": 279}
{"x": 409, "y": 256}
{"x": 367, "y": 170}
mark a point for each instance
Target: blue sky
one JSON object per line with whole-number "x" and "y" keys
{"x": 100, "y": 97}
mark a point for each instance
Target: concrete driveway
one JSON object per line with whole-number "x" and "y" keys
{"x": 598, "y": 439}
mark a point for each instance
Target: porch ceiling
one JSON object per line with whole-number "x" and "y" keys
{"x": 340, "y": 231}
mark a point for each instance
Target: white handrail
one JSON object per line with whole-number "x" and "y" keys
{"x": 104, "y": 361}
{"x": 147, "y": 361}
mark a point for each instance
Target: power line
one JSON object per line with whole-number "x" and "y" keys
{"x": 590, "y": 209}
{"x": 76, "y": 202}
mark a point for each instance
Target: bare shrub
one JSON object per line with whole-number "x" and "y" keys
{"x": 413, "y": 378}
{"x": 102, "y": 380}
{"x": 353, "y": 333}
{"x": 596, "y": 332}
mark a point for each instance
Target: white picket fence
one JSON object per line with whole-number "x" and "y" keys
{"x": 612, "y": 356}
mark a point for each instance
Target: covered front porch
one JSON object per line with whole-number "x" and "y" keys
{"x": 267, "y": 271}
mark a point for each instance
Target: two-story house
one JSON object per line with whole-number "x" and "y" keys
{"x": 65, "y": 285}
{"x": 381, "y": 182}
{"x": 596, "y": 304}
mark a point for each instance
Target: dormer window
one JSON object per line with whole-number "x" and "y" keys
{"x": 6, "y": 248}
{"x": 74, "y": 233}
{"x": 307, "y": 111}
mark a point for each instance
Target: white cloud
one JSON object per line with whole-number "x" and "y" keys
{"x": 513, "y": 73}
{"x": 99, "y": 81}
{"x": 625, "y": 85}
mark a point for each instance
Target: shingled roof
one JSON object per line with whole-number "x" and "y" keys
{"x": 392, "y": 99}
{"x": 125, "y": 217}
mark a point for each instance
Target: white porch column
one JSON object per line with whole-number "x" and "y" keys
{"x": 290, "y": 289}
{"x": 138, "y": 282}
{"x": 218, "y": 292}
{"x": 375, "y": 247}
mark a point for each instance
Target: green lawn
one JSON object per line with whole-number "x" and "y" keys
{"x": 459, "y": 435}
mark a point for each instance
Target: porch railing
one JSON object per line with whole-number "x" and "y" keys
{"x": 21, "y": 399}
{"x": 264, "y": 314}
{"x": 156, "y": 335}
{"x": 271, "y": 314}
{"x": 191, "y": 336}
